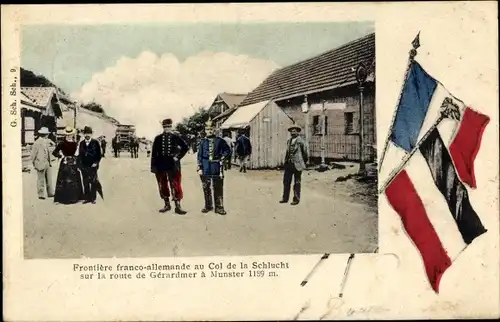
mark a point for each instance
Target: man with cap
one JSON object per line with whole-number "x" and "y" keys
{"x": 41, "y": 157}
{"x": 212, "y": 152}
{"x": 89, "y": 156}
{"x": 168, "y": 150}
{"x": 243, "y": 149}
{"x": 295, "y": 162}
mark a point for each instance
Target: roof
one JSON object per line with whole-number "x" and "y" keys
{"x": 26, "y": 99}
{"x": 244, "y": 115}
{"x": 232, "y": 99}
{"x": 226, "y": 113}
{"x": 40, "y": 96}
{"x": 329, "y": 70}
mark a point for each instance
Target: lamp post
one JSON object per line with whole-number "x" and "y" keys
{"x": 305, "y": 110}
{"x": 323, "y": 167}
{"x": 361, "y": 75}
{"x": 75, "y": 114}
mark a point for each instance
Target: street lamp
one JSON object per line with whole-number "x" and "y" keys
{"x": 361, "y": 75}
{"x": 323, "y": 167}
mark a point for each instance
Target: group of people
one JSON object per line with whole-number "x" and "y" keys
{"x": 213, "y": 154}
{"x": 241, "y": 149}
{"x": 77, "y": 178}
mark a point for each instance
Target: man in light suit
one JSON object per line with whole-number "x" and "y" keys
{"x": 295, "y": 163}
{"x": 41, "y": 156}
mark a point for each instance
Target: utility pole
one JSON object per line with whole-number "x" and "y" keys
{"x": 361, "y": 75}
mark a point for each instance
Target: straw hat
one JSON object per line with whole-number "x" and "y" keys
{"x": 44, "y": 130}
{"x": 294, "y": 127}
{"x": 69, "y": 131}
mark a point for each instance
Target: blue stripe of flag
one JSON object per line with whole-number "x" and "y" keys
{"x": 416, "y": 97}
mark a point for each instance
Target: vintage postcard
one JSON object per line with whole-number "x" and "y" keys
{"x": 222, "y": 162}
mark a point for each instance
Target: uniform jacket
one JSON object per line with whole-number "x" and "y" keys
{"x": 166, "y": 146}
{"x": 243, "y": 146}
{"x": 41, "y": 153}
{"x": 229, "y": 143}
{"x": 211, "y": 152}
{"x": 88, "y": 155}
{"x": 296, "y": 154}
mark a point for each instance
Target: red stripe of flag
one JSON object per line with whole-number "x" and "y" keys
{"x": 405, "y": 200}
{"x": 466, "y": 144}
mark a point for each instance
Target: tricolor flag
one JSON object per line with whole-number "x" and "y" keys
{"x": 426, "y": 165}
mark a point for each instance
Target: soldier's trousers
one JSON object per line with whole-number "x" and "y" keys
{"x": 218, "y": 196}
{"x": 169, "y": 183}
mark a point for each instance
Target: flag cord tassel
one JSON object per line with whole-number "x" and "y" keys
{"x": 397, "y": 170}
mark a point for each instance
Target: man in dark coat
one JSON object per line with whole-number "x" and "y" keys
{"x": 295, "y": 162}
{"x": 103, "y": 146}
{"x": 212, "y": 152}
{"x": 89, "y": 156}
{"x": 116, "y": 146}
{"x": 134, "y": 145}
{"x": 243, "y": 150}
{"x": 168, "y": 150}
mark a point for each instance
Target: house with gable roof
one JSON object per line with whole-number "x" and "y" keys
{"x": 223, "y": 106}
{"x": 41, "y": 107}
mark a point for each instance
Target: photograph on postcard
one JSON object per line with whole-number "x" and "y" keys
{"x": 198, "y": 139}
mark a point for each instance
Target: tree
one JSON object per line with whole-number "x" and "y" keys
{"x": 194, "y": 124}
{"x": 93, "y": 106}
{"x": 30, "y": 79}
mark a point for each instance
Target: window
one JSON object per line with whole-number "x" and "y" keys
{"x": 317, "y": 125}
{"x": 349, "y": 122}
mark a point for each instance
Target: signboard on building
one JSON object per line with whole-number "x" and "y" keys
{"x": 328, "y": 106}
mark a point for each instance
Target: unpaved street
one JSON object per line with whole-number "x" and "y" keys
{"x": 332, "y": 217}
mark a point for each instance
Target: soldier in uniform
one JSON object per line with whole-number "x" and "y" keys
{"x": 168, "y": 150}
{"x": 212, "y": 152}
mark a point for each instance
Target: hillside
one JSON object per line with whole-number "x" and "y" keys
{"x": 30, "y": 79}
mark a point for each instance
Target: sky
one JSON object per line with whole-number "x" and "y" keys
{"x": 142, "y": 73}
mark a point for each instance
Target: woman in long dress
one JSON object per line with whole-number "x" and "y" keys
{"x": 69, "y": 188}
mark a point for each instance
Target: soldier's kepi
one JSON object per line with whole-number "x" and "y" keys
{"x": 168, "y": 150}
{"x": 213, "y": 150}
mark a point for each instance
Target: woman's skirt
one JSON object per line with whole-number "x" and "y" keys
{"x": 69, "y": 188}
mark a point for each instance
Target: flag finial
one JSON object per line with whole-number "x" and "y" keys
{"x": 415, "y": 43}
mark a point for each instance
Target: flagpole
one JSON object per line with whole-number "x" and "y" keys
{"x": 346, "y": 271}
{"x": 415, "y": 44}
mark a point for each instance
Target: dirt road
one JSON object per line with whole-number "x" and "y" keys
{"x": 330, "y": 218}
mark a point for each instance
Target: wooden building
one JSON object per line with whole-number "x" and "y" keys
{"x": 223, "y": 106}
{"x": 41, "y": 107}
{"x": 267, "y": 127}
{"x": 329, "y": 81}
